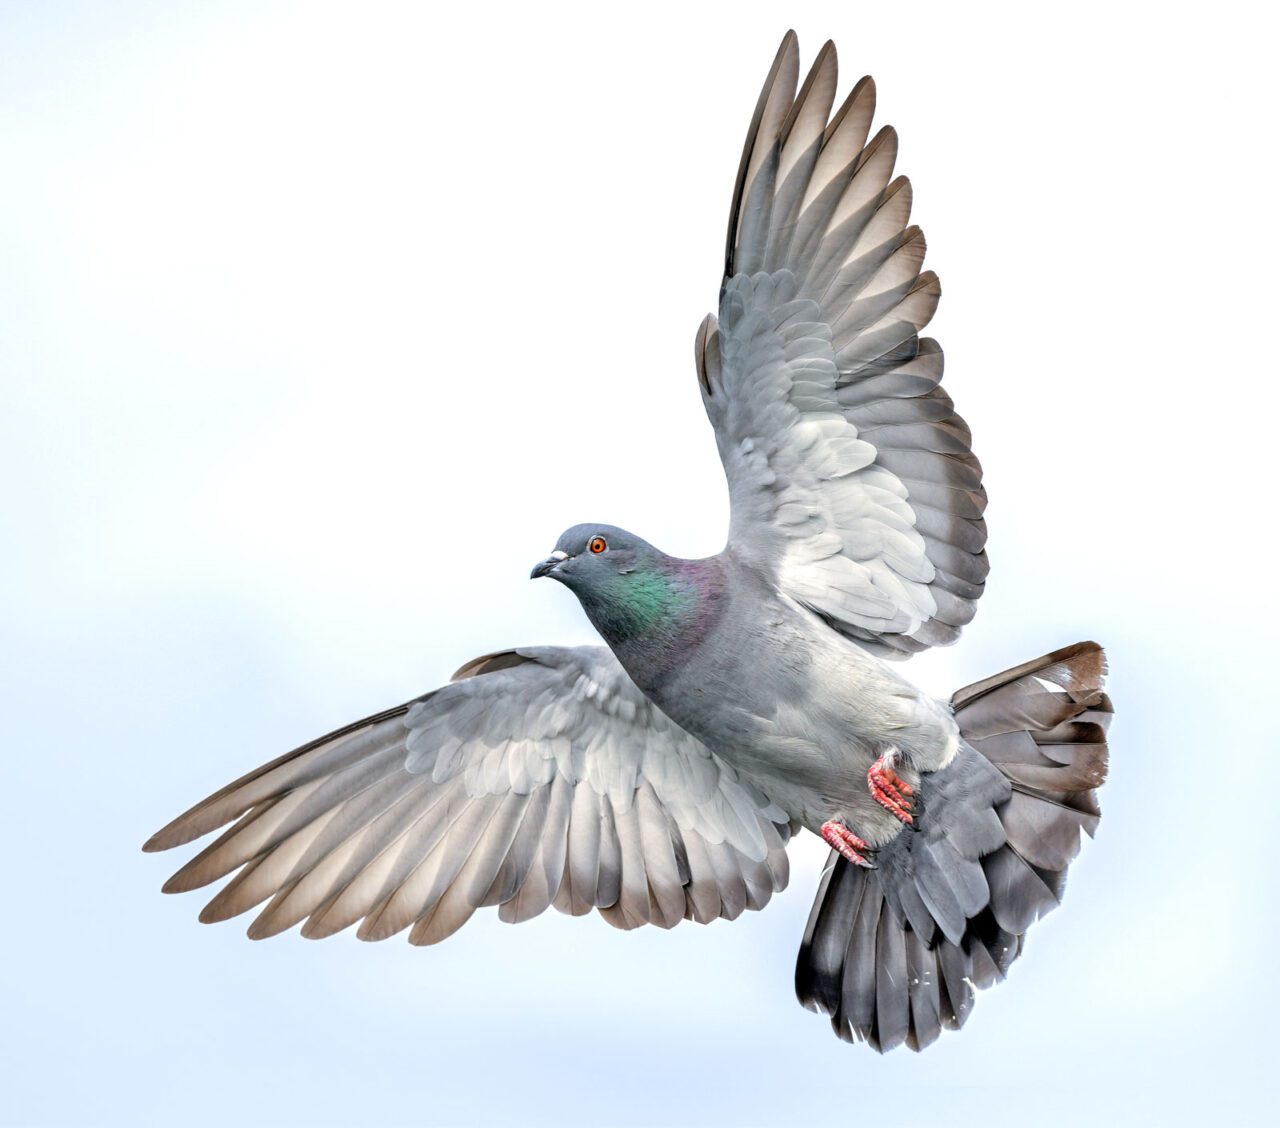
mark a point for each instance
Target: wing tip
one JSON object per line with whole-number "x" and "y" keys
{"x": 486, "y": 664}
{"x": 180, "y": 882}
{"x": 706, "y": 353}
{"x": 175, "y": 833}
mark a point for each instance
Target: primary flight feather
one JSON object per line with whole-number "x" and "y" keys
{"x": 742, "y": 697}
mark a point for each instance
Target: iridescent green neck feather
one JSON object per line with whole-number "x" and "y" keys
{"x": 644, "y": 601}
{"x": 655, "y": 616}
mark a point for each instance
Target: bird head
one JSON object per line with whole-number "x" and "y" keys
{"x": 595, "y": 558}
{"x": 629, "y": 590}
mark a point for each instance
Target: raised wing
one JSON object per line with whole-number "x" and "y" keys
{"x": 851, "y": 479}
{"x": 537, "y": 777}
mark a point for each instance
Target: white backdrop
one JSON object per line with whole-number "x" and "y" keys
{"x": 321, "y": 322}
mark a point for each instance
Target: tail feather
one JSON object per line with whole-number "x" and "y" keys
{"x": 923, "y": 993}
{"x": 820, "y": 969}
{"x": 894, "y": 954}
{"x": 858, "y": 991}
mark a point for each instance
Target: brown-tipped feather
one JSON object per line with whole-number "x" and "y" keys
{"x": 771, "y": 109}
{"x": 237, "y": 797}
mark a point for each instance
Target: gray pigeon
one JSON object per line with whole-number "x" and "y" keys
{"x": 745, "y": 696}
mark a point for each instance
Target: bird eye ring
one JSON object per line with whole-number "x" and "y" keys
{"x": 596, "y": 545}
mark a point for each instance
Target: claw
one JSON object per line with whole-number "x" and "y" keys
{"x": 889, "y": 790}
{"x": 847, "y": 844}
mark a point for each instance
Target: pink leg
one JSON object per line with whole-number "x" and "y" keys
{"x": 847, "y": 844}
{"x": 889, "y": 790}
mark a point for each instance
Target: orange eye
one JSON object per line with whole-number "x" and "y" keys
{"x": 596, "y": 545}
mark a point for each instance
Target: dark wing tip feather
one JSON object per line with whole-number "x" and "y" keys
{"x": 825, "y": 55}
{"x": 190, "y": 825}
{"x": 786, "y": 66}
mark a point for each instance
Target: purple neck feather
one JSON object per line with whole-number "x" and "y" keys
{"x": 658, "y": 617}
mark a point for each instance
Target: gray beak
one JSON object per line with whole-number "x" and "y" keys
{"x": 548, "y": 565}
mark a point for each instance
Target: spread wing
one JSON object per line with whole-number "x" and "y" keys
{"x": 851, "y": 479}
{"x": 537, "y": 777}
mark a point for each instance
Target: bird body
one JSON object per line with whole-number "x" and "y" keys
{"x": 799, "y": 710}
{"x": 747, "y": 695}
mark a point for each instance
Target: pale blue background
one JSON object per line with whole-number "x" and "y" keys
{"x": 319, "y": 324}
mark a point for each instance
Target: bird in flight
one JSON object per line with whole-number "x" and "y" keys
{"x": 746, "y": 696}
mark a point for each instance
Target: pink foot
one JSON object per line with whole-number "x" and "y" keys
{"x": 849, "y": 846}
{"x": 889, "y": 790}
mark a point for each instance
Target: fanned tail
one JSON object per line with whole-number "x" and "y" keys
{"x": 894, "y": 954}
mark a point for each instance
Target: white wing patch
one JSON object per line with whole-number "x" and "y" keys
{"x": 798, "y": 469}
